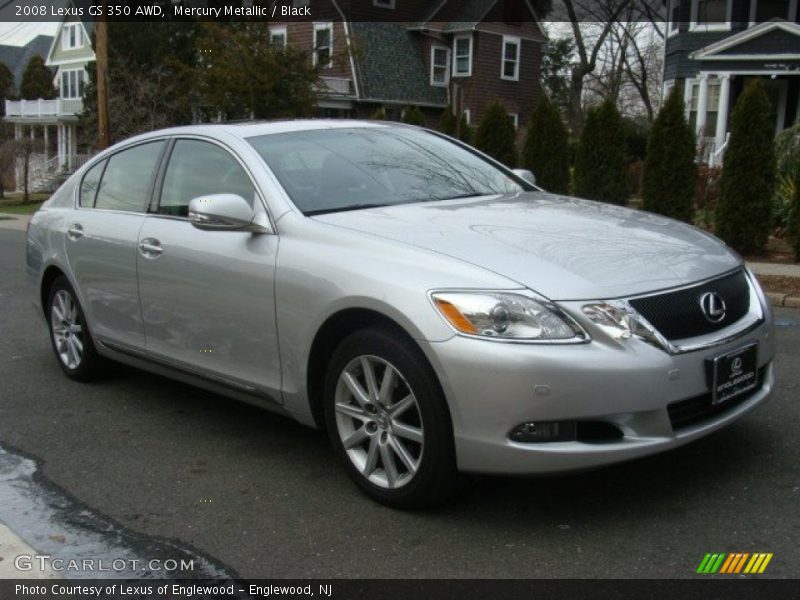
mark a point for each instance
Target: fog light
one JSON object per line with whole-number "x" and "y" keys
{"x": 535, "y": 432}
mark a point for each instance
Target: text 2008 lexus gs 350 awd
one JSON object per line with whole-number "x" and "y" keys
{"x": 435, "y": 311}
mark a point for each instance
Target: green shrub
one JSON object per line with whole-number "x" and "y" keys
{"x": 748, "y": 174}
{"x": 794, "y": 219}
{"x": 378, "y": 115}
{"x": 466, "y": 132}
{"x": 787, "y": 156}
{"x": 496, "y": 135}
{"x": 413, "y": 116}
{"x": 601, "y": 160}
{"x": 546, "y": 149}
{"x": 447, "y": 122}
{"x": 668, "y": 181}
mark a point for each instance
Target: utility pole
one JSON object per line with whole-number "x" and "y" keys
{"x": 101, "y": 53}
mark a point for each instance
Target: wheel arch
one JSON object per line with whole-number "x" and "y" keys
{"x": 332, "y": 331}
{"x": 50, "y": 274}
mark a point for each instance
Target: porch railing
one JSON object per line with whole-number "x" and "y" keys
{"x": 37, "y": 109}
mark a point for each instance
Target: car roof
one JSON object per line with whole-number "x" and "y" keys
{"x": 246, "y": 129}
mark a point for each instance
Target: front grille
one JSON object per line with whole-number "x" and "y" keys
{"x": 696, "y": 410}
{"x": 677, "y": 315}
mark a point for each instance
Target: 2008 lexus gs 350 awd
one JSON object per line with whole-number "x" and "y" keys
{"x": 434, "y": 310}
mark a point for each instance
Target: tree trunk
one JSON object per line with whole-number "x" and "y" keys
{"x": 25, "y": 168}
{"x": 575, "y": 116}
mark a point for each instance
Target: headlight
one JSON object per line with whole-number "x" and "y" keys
{"x": 506, "y": 316}
{"x": 621, "y": 321}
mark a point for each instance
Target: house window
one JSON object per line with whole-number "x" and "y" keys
{"x": 72, "y": 83}
{"x": 323, "y": 44}
{"x": 383, "y": 3}
{"x": 277, "y": 37}
{"x": 510, "y": 62}
{"x": 462, "y": 53}
{"x": 762, "y": 11}
{"x": 674, "y": 14}
{"x": 440, "y": 65}
{"x": 710, "y": 15}
{"x": 71, "y": 36}
{"x": 712, "y": 106}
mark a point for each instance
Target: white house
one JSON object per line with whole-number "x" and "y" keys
{"x": 71, "y": 55}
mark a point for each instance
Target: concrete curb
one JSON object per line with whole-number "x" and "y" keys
{"x": 785, "y": 300}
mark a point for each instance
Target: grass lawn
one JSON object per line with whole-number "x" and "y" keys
{"x": 12, "y": 204}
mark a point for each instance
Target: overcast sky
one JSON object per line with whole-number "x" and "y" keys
{"x": 20, "y": 33}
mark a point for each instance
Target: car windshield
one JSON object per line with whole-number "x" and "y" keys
{"x": 329, "y": 170}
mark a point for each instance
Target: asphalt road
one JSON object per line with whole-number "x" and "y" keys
{"x": 265, "y": 497}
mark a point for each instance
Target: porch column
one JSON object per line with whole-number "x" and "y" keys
{"x": 46, "y": 143}
{"x": 61, "y": 146}
{"x": 722, "y": 110}
{"x": 702, "y": 104}
{"x": 70, "y": 147}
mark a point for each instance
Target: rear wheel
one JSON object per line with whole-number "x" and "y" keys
{"x": 69, "y": 333}
{"x": 388, "y": 420}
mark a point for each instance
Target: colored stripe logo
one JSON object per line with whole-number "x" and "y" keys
{"x": 734, "y": 563}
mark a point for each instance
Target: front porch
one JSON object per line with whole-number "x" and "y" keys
{"x": 53, "y": 124}
{"x": 725, "y": 67}
{"x": 710, "y": 98}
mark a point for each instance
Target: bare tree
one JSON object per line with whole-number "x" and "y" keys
{"x": 592, "y": 22}
{"x": 14, "y": 151}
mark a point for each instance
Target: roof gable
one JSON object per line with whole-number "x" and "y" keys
{"x": 767, "y": 40}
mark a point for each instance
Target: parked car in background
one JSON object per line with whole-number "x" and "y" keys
{"x": 435, "y": 311}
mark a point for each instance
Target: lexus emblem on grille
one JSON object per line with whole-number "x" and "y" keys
{"x": 713, "y": 307}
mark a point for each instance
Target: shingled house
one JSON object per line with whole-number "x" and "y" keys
{"x": 714, "y": 47}
{"x": 392, "y": 54}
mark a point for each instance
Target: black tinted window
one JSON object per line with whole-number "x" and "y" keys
{"x": 126, "y": 181}
{"x": 199, "y": 169}
{"x": 90, "y": 183}
{"x": 333, "y": 169}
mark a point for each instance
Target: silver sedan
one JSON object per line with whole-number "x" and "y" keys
{"x": 435, "y": 311}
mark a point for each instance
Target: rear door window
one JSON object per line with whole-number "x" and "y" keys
{"x": 127, "y": 180}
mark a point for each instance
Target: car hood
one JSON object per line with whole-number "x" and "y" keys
{"x": 563, "y": 248}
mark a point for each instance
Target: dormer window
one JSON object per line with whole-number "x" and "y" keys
{"x": 674, "y": 15}
{"x": 711, "y": 15}
{"x": 323, "y": 44}
{"x": 762, "y": 11}
{"x": 462, "y": 56}
{"x": 71, "y": 36}
{"x": 509, "y": 68}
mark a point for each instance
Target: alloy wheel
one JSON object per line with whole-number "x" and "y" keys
{"x": 379, "y": 422}
{"x": 67, "y": 329}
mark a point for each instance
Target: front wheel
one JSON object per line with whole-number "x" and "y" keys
{"x": 388, "y": 420}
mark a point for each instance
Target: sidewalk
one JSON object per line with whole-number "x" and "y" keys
{"x": 15, "y": 222}
{"x": 779, "y": 297}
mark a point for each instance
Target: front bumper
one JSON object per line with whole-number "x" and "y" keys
{"x": 492, "y": 387}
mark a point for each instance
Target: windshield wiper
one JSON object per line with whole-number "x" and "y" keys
{"x": 325, "y": 211}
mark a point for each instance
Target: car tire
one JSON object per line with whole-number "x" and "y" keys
{"x": 69, "y": 334}
{"x": 394, "y": 439}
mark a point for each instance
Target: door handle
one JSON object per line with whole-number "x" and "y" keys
{"x": 150, "y": 248}
{"x": 75, "y": 232}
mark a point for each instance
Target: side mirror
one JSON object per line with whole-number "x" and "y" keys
{"x": 526, "y": 175}
{"x": 226, "y": 212}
